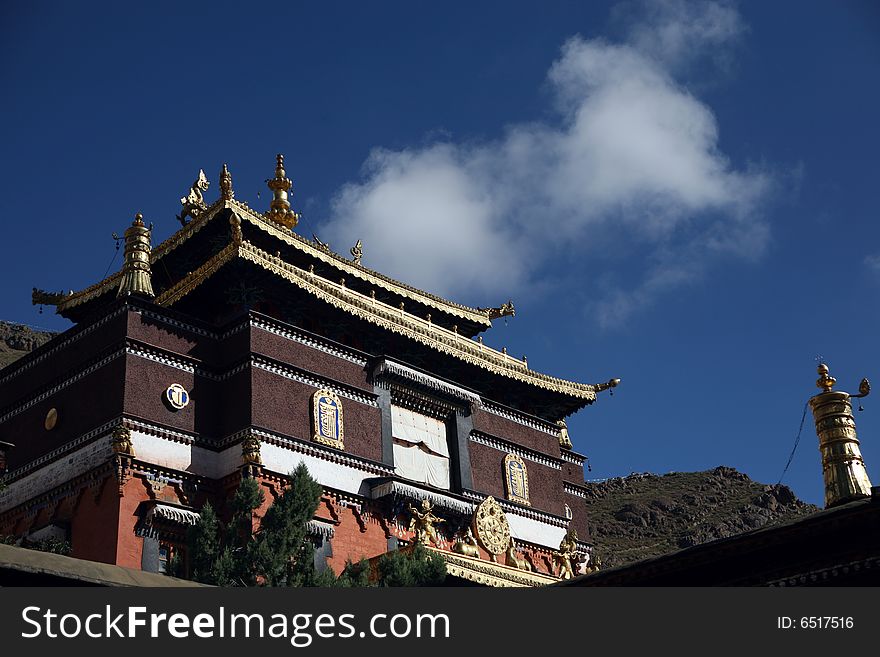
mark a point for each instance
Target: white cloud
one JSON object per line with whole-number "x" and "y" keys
{"x": 872, "y": 262}
{"x": 678, "y": 31}
{"x": 631, "y": 157}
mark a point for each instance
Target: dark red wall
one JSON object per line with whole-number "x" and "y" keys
{"x": 514, "y": 432}
{"x": 545, "y": 483}
{"x": 284, "y": 406}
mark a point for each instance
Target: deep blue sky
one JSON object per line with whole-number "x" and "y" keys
{"x": 112, "y": 109}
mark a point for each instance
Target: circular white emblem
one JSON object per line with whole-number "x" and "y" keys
{"x": 177, "y": 395}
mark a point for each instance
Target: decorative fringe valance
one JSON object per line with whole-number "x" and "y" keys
{"x": 422, "y": 379}
{"x": 399, "y": 489}
{"x": 174, "y": 514}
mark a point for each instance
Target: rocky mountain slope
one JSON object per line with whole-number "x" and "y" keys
{"x": 17, "y": 339}
{"x": 647, "y": 515}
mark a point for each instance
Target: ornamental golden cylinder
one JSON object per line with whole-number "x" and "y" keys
{"x": 136, "y": 266}
{"x": 843, "y": 469}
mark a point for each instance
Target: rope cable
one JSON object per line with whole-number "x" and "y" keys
{"x": 797, "y": 440}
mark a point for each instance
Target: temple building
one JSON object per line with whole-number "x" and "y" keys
{"x": 240, "y": 348}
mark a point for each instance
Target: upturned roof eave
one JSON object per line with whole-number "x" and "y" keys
{"x": 479, "y": 318}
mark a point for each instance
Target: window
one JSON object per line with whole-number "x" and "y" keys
{"x": 421, "y": 449}
{"x": 164, "y": 558}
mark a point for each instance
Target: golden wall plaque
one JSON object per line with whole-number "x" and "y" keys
{"x": 516, "y": 479}
{"x": 327, "y": 419}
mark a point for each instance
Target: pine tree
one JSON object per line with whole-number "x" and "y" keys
{"x": 281, "y": 553}
{"x": 417, "y": 567}
{"x": 203, "y": 541}
{"x": 237, "y": 560}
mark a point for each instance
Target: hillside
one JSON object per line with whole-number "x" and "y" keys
{"x": 17, "y": 339}
{"x": 647, "y": 515}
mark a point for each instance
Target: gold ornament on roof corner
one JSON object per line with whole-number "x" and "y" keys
{"x": 564, "y": 438}
{"x": 226, "y": 192}
{"x": 194, "y": 202}
{"x": 611, "y": 383}
{"x": 120, "y": 441}
{"x": 504, "y": 310}
{"x": 844, "y": 472}
{"x": 279, "y": 208}
{"x": 491, "y": 527}
{"x": 250, "y": 451}
{"x": 136, "y": 272}
{"x": 41, "y": 297}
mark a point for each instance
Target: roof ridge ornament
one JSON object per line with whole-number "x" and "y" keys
{"x": 194, "y": 202}
{"x": 136, "y": 271}
{"x": 324, "y": 246}
{"x": 357, "y": 252}
{"x": 226, "y": 192}
{"x": 279, "y": 208}
{"x": 504, "y": 310}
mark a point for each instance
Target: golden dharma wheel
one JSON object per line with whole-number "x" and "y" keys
{"x": 491, "y": 527}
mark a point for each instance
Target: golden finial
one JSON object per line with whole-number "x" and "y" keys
{"x": 279, "y": 208}
{"x": 843, "y": 469}
{"x": 226, "y": 192}
{"x": 825, "y": 381}
{"x": 136, "y": 266}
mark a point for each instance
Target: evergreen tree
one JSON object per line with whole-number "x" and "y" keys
{"x": 203, "y": 542}
{"x": 237, "y": 559}
{"x": 418, "y": 567}
{"x": 281, "y": 553}
{"x": 352, "y": 576}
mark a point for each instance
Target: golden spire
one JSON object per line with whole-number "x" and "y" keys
{"x": 226, "y": 192}
{"x": 136, "y": 267}
{"x": 842, "y": 466}
{"x": 825, "y": 382}
{"x": 279, "y": 209}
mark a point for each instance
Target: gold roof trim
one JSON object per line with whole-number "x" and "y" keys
{"x": 246, "y": 212}
{"x": 490, "y": 574}
{"x": 414, "y": 327}
{"x": 178, "y": 238}
{"x": 359, "y": 271}
{"x": 189, "y": 283}
{"x": 351, "y": 301}
{"x": 382, "y": 315}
